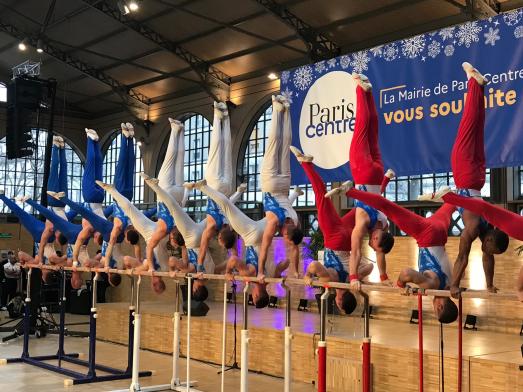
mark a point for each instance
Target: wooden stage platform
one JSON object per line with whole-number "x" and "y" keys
{"x": 491, "y": 360}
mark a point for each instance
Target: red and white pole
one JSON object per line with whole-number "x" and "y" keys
{"x": 420, "y": 339}
{"x": 366, "y": 345}
{"x": 322, "y": 344}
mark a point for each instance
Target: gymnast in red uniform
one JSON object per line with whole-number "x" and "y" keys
{"x": 468, "y": 167}
{"x": 367, "y": 171}
{"x": 434, "y": 270}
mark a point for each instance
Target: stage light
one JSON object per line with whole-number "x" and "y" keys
{"x": 39, "y": 46}
{"x": 123, "y": 7}
{"x": 272, "y": 76}
{"x": 470, "y": 322}
{"x": 414, "y": 317}
{"x": 23, "y": 45}
{"x": 133, "y": 5}
{"x": 302, "y": 306}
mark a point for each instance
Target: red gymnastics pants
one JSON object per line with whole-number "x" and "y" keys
{"x": 336, "y": 231}
{"x": 364, "y": 154}
{"x": 432, "y": 231}
{"x": 507, "y": 221}
{"x": 468, "y": 153}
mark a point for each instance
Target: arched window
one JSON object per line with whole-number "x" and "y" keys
{"x": 252, "y": 161}
{"x": 197, "y": 136}
{"x": 109, "y": 167}
{"x": 24, "y": 176}
{"x": 3, "y": 93}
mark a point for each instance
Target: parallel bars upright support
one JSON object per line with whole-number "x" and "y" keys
{"x": 244, "y": 382}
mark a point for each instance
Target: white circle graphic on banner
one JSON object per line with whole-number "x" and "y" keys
{"x": 327, "y": 119}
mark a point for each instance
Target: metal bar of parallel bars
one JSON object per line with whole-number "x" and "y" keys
{"x": 366, "y": 288}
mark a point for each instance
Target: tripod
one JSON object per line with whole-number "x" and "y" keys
{"x": 234, "y": 365}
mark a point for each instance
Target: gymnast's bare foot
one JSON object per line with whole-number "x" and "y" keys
{"x": 343, "y": 188}
{"x": 91, "y": 133}
{"x": 103, "y": 185}
{"x": 474, "y": 73}
{"x": 436, "y": 196}
{"x": 242, "y": 187}
{"x": 300, "y": 156}
{"x": 150, "y": 180}
{"x": 195, "y": 185}
{"x": 58, "y": 141}
{"x": 390, "y": 174}
{"x": 362, "y": 81}
{"x": 56, "y": 195}
{"x": 298, "y": 190}
{"x": 175, "y": 125}
{"x": 130, "y": 129}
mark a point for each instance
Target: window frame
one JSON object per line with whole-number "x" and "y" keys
{"x": 112, "y": 146}
{"x": 24, "y": 166}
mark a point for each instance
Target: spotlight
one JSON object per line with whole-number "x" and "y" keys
{"x": 414, "y": 317}
{"x": 133, "y": 5}
{"x": 470, "y": 322}
{"x": 272, "y": 76}
{"x": 39, "y": 46}
{"x": 123, "y": 7}
{"x": 23, "y": 45}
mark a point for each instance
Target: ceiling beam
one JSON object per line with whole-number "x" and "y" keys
{"x": 211, "y": 78}
{"x": 190, "y": 38}
{"x": 233, "y": 26}
{"x": 369, "y": 14}
{"x": 318, "y": 45}
{"x": 131, "y": 98}
{"x": 510, "y": 5}
{"x": 481, "y": 9}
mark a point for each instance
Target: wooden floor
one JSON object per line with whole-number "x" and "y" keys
{"x": 490, "y": 359}
{"x": 18, "y": 377}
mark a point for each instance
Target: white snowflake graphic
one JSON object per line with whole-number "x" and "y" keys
{"x": 512, "y": 18}
{"x": 390, "y": 52}
{"x": 345, "y": 61}
{"x": 446, "y": 33}
{"x": 360, "y": 61}
{"x": 287, "y": 94}
{"x": 331, "y": 63}
{"x": 412, "y": 47}
{"x": 303, "y": 77}
{"x": 518, "y": 32}
{"x": 284, "y": 77}
{"x": 377, "y": 51}
{"x": 491, "y": 36}
{"x": 434, "y": 49}
{"x": 449, "y": 50}
{"x": 468, "y": 33}
{"x": 320, "y": 67}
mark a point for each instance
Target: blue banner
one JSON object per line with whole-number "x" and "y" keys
{"x": 418, "y": 86}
